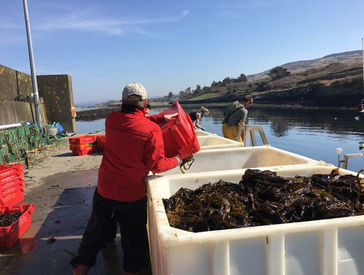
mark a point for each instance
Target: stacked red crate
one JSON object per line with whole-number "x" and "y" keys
{"x": 11, "y": 184}
{"x": 11, "y": 193}
{"x": 100, "y": 143}
{"x": 83, "y": 145}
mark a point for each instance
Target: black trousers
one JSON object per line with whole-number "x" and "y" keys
{"x": 112, "y": 229}
{"x": 132, "y": 219}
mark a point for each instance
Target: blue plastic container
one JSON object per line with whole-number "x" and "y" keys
{"x": 60, "y": 128}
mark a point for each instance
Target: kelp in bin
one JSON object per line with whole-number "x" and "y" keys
{"x": 9, "y": 219}
{"x": 263, "y": 198}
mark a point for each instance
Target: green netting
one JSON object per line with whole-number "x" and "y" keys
{"x": 12, "y": 137}
{"x": 2, "y": 137}
{"x": 4, "y": 149}
{"x": 21, "y": 132}
{"x": 15, "y": 142}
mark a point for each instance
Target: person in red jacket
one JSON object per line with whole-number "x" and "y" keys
{"x": 133, "y": 147}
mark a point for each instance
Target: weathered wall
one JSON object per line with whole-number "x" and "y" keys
{"x": 8, "y": 84}
{"x": 57, "y": 94}
{"x": 14, "y": 112}
{"x": 16, "y": 91}
{"x": 24, "y": 83}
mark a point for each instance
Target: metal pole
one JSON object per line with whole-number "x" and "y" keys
{"x": 32, "y": 67}
{"x": 347, "y": 156}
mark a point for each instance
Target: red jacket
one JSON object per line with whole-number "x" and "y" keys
{"x": 133, "y": 147}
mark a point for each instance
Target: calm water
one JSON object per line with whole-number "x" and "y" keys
{"x": 313, "y": 133}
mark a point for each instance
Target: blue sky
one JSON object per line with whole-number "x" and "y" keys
{"x": 171, "y": 45}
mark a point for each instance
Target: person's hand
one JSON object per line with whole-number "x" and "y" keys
{"x": 178, "y": 157}
{"x": 170, "y": 116}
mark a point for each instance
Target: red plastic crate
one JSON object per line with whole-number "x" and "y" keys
{"x": 10, "y": 234}
{"x": 83, "y": 150}
{"x": 11, "y": 178}
{"x": 82, "y": 140}
{"x": 81, "y": 146}
{"x": 11, "y": 199}
{"x": 6, "y": 186}
{"x": 100, "y": 143}
{"x": 11, "y": 186}
{"x": 10, "y": 172}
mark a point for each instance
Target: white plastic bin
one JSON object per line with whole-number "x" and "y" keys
{"x": 51, "y": 130}
{"x": 217, "y": 142}
{"x": 202, "y": 133}
{"x": 324, "y": 247}
{"x": 238, "y": 158}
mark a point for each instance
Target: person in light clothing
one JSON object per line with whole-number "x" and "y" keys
{"x": 234, "y": 116}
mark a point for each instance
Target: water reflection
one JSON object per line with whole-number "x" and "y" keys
{"x": 335, "y": 121}
{"x": 282, "y": 120}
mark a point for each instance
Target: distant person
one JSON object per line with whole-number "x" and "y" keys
{"x": 133, "y": 147}
{"x": 235, "y": 115}
{"x": 197, "y": 116}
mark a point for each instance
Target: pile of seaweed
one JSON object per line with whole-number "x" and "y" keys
{"x": 9, "y": 219}
{"x": 263, "y": 198}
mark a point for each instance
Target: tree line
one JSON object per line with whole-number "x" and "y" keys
{"x": 274, "y": 74}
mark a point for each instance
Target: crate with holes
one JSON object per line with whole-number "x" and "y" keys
{"x": 83, "y": 145}
{"x": 15, "y": 219}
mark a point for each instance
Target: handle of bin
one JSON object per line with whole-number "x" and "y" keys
{"x": 22, "y": 185}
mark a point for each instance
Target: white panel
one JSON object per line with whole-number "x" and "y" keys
{"x": 351, "y": 250}
{"x": 275, "y": 254}
{"x": 328, "y": 251}
{"x": 220, "y": 259}
{"x": 247, "y": 257}
{"x": 189, "y": 260}
{"x": 302, "y": 257}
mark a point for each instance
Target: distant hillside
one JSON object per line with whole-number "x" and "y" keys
{"x": 335, "y": 80}
{"x": 349, "y": 58}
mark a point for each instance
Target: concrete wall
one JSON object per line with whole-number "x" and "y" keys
{"x": 14, "y": 112}
{"x": 55, "y": 92}
{"x": 8, "y": 84}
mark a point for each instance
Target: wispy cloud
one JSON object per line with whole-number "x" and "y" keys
{"x": 86, "y": 21}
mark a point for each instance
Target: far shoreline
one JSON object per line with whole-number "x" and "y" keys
{"x": 97, "y": 112}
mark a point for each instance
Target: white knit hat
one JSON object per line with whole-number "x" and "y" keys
{"x": 134, "y": 88}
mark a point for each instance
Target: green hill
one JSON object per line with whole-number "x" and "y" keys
{"x": 332, "y": 81}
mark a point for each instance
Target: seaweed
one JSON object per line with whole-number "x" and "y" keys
{"x": 9, "y": 219}
{"x": 263, "y": 198}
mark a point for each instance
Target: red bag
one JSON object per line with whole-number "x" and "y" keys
{"x": 178, "y": 134}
